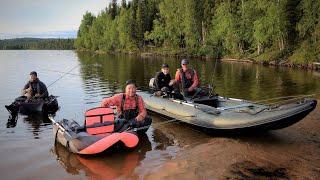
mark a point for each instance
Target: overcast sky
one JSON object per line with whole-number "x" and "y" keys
{"x": 44, "y": 18}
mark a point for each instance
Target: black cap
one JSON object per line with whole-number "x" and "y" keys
{"x": 130, "y": 81}
{"x": 165, "y": 65}
{"x": 33, "y": 73}
{"x": 184, "y": 61}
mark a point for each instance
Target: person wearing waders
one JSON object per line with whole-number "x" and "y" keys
{"x": 130, "y": 106}
{"x": 187, "y": 78}
{"x": 34, "y": 89}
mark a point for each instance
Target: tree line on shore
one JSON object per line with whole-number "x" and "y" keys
{"x": 264, "y": 30}
{"x": 36, "y": 43}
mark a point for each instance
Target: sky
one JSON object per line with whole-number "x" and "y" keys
{"x": 44, "y": 18}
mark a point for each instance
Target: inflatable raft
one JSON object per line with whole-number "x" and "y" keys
{"x": 222, "y": 113}
{"x": 101, "y": 131}
{"x": 49, "y": 105}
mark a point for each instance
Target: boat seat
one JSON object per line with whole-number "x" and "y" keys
{"x": 99, "y": 115}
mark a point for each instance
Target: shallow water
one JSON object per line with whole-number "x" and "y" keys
{"x": 27, "y": 147}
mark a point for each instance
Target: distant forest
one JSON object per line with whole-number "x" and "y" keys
{"x": 36, "y": 43}
{"x": 279, "y": 31}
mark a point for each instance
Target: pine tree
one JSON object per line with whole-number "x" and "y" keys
{"x": 83, "y": 38}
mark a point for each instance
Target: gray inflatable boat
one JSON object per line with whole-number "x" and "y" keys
{"x": 222, "y": 113}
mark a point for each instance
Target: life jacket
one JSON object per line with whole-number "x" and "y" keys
{"x": 186, "y": 83}
{"x": 129, "y": 113}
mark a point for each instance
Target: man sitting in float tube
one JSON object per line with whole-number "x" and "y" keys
{"x": 130, "y": 106}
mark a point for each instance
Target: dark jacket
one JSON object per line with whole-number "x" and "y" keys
{"x": 37, "y": 87}
{"x": 161, "y": 80}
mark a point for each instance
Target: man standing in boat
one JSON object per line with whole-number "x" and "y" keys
{"x": 130, "y": 106}
{"x": 188, "y": 78}
{"x": 35, "y": 88}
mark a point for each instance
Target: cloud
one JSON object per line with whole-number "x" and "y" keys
{"x": 30, "y": 17}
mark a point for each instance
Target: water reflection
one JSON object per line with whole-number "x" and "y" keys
{"x": 12, "y": 121}
{"x": 111, "y": 164}
{"x": 36, "y": 123}
{"x": 101, "y": 76}
{"x": 106, "y": 166}
{"x": 240, "y": 80}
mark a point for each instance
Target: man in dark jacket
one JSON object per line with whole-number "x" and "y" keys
{"x": 162, "y": 79}
{"x": 35, "y": 88}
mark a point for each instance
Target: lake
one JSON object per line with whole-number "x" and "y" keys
{"x": 27, "y": 148}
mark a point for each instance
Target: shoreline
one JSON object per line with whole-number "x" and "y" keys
{"x": 314, "y": 66}
{"x": 289, "y": 153}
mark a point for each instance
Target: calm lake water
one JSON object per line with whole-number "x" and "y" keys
{"x": 27, "y": 147}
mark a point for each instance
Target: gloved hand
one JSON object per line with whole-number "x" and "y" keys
{"x": 158, "y": 93}
{"x": 119, "y": 120}
{"x": 172, "y": 82}
{"x": 190, "y": 89}
{"x": 165, "y": 89}
{"x": 132, "y": 123}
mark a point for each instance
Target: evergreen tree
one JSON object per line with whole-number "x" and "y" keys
{"x": 83, "y": 39}
{"x": 113, "y": 9}
{"x": 261, "y": 29}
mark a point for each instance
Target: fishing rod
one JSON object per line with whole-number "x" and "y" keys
{"x": 63, "y": 75}
{"x": 213, "y": 75}
{"x": 15, "y": 107}
{"x": 155, "y": 125}
{"x": 61, "y": 72}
